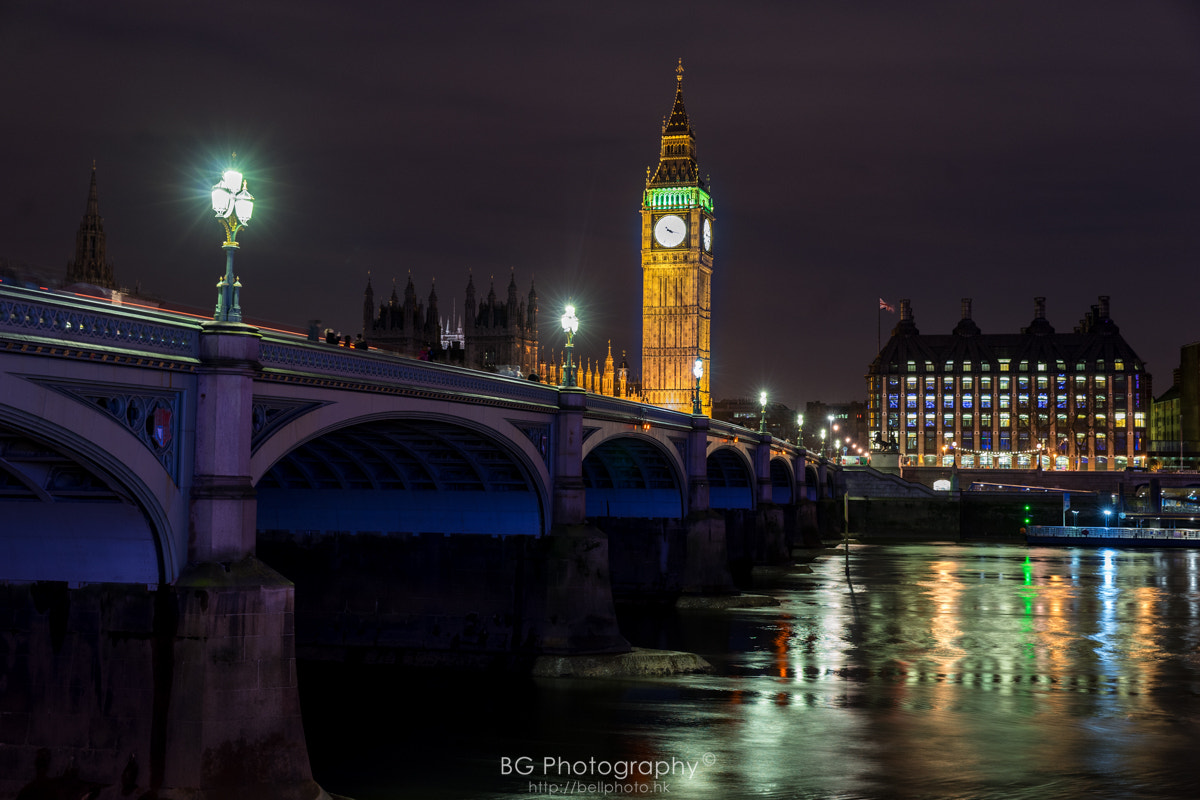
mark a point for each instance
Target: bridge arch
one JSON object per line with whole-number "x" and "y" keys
{"x": 812, "y": 483}
{"x": 631, "y": 475}
{"x": 400, "y": 472}
{"x": 79, "y": 508}
{"x": 731, "y": 479}
{"x": 782, "y": 481}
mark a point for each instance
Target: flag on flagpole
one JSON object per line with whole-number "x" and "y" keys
{"x": 886, "y": 306}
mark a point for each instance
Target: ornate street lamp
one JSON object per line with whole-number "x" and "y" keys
{"x": 698, "y": 371}
{"x": 799, "y": 430}
{"x": 233, "y": 205}
{"x": 570, "y": 324}
{"x": 762, "y": 417}
{"x": 824, "y": 452}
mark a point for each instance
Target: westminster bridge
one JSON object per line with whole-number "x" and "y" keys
{"x": 156, "y": 470}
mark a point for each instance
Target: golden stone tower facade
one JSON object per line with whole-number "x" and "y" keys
{"x": 677, "y": 239}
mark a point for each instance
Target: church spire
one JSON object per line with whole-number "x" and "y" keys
{"x": 91, "y": 258}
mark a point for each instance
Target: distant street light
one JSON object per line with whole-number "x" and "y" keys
{"x": 698, "y": 371}
{"x": 824, "y": 452}
{"x": 762, "y": 417}
{"x": 570, "y": 324}
{"x": 1107, "y": 514}
{"x": 233, "y": 205}
{"x": 799, "y": 430}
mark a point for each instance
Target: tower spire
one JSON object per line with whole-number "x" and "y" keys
{"x": 90, "y": 264}
{"x": 677, "y": 160}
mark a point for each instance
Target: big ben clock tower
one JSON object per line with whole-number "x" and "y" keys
{"x": 677, "y": 239}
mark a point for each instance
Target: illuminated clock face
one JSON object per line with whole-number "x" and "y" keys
{"x": 670, "y": 230}
{"x": 707, "y": 233}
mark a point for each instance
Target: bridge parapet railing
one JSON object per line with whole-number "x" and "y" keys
{"x": 289, "y": 355}
{"x": 631, "y": 410}
{"x": 83, "y": 322}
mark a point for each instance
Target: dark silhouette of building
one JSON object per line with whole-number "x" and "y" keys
{"x": 496, "y": 336}
{"x": 780, "y": 420}
{"x": 1175, "y": 416}
{"x": 409, "y": 327}
{"x": 91, "y": 264}
{"x": 1075, "y": 400}
{"x": 849, "y": 420}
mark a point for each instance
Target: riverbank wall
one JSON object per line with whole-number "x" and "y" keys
{"x": 885, "y": 506}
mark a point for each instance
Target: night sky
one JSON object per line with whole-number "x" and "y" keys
{"x": 857, "y": 150}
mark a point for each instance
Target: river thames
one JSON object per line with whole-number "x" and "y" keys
{"x": 893, "y": 671}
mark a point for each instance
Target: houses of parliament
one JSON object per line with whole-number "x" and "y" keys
{"x": 501, "y": 334}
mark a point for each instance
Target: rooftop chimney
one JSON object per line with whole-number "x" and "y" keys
{"x": 905, "y": 311}
{"x": 1039, "y": 308}
{"x": 966, "y": 308}
{"x": 1103, "y": 308}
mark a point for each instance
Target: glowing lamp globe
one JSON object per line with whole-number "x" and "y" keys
{"x": 698, "y": 369}
{"x": 570, "y": 323}
{"x": 762, "y": 398}
{"x": 243, "y": 205}
{"x": 222, "y": 201}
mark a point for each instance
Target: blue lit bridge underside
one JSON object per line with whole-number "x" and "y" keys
{"x": 400, "y": 476}
{"x": 64, "y": 519}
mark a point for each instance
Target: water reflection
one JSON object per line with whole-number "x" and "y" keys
{"x": 908, "y": 671}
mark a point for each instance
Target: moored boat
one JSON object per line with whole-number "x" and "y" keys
{"x": 1159, "y": 531}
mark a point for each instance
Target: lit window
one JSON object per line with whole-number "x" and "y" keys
{"x": 1023, "y": 366}
{"x": 1004, "y": 364}
{"x": 1118, "y": 365}
{"x": 948, "y": 423}
{"x": 948, "y": 401}
{"x": 910, "y": 401}
{"x": 931, "y": 420}
{"x": 985, "y": 384}
{"x": 1119, "y": 418}
{"x": 912, "y": 366}
{"x": 1004, "y": 384}
{"x": 1041, "y": 366}
{"x": 967, "y": 383}
{"x": 1005, "y": 419}
{"x": 966, "y": 366}
{"x": 1139, "y": 419}
{"x": 966, "y": 401}
{"x": 985, "y": 401}
{"x": 1005, "y": 401}
{"x": 1043, "y": 401}
{"x": 910, "y": 384}
{"x": 910, "y": 420}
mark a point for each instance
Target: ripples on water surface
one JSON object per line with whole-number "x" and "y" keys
{"x": 939, "y": 671}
